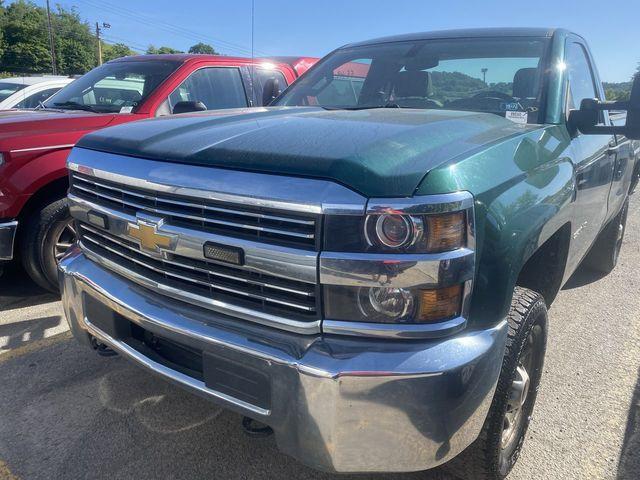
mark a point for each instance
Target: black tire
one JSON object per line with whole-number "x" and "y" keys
{"x": 635, "y": 178}
{"x": 604, "y": 254}
{"x": 495, "y": 452}
{"x": 45, "y": 229}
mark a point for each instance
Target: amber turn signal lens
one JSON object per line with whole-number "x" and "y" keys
{"x": 440, "y": 304}
{"x": 446, "y": 232}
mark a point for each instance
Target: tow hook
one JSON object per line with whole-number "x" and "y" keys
{"x": 253, "y": 428}
{"x": 102, "y": 349}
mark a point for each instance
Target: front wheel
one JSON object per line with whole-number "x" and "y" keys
{"x": 495, "y": 452}
{"x": 48, "y": 234}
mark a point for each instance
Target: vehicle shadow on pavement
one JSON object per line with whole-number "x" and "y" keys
{"x": 629, "y": 462}
{"x": 17, "y": 290}
{"x": 18, "y": 334}
{"x": 581, "y": 277}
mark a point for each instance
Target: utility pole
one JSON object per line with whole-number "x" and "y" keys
{"x": 252, "y": 70}
{"x": 99, "y": 44}
{"x": 52, "y": 46}
{"x": 98, "y": 30}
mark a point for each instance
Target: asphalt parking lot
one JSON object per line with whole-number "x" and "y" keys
{"x": 66, "y": 412}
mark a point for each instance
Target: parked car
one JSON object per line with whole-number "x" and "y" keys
{"x": 29, "y": 92}
{"x": 34, "y": 144}
{"x": 366, "y": 266}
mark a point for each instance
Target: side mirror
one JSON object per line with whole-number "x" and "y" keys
{"x": 585, "y": 120}
{"x": 270, "y": 91}
{"x": 185, "y": 107}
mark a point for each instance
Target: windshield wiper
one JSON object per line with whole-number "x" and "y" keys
{"x": 70, "y": 105}
{"x": 366, "y": 107}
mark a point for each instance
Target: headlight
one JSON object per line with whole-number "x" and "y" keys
{"x": 405, "y": 261}
{"x": 385, "y": 303}
{"x": 393, "y": 304}
{"x": 392, "y": 231}
{"x": 398, "y": 233}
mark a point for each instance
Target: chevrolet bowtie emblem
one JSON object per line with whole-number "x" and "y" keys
{"x": 145, "y": 231}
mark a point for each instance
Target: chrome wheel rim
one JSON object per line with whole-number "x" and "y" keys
{"x": 517, "y": 397}
{"x": 66, "y": 238}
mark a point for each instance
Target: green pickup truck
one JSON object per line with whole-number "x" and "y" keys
{"x": 363, "y": 268}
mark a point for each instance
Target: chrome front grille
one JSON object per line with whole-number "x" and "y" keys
{"x": 233, "y": 285}
{"x": 252, "y": 223}
{"x": 155, "y": 223}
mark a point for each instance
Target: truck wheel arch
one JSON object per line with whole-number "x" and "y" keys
{"x": 51, "y": 191}
{"x": 544, "y": 270}
{"x": 46, "y": 176}
{"x": 528, "y": 247}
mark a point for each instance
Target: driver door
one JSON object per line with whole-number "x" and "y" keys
{"x": 593, "y": 155}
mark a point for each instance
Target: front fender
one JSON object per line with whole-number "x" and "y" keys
{"x": 523, "y": 189}
{"x": 24, "y": 175}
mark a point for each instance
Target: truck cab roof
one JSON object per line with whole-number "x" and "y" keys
{"x": 464, "y": 33}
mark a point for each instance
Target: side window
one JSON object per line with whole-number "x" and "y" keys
{"x": 264, "y": 75}
{"x": 581, "y": 81}
{"x": 33, "y": 100}
{"x": 216, "y": 87}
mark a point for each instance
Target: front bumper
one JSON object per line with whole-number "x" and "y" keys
{"x": 336, "y": 404}
{"x": 7, "y": 238}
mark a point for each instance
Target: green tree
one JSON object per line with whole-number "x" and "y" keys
{"x": 617, "y": 91}
{"x": 1, "y": 27}
{"x": 203, "y": 48}
{"x": 25, "y": 40}
{"x": 109, "y": 52}
{"x": 162, "y": 50}
{"x": 76, "y": 48}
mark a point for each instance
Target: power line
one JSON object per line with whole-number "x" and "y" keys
{"x": 132, "y": 45}
{"x": 176, "y": 30}
{"x": 230, "y": 45}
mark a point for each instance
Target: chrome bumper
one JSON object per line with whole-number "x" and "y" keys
{"x": 336, "y": 404}
{"x": 7, "y": 237}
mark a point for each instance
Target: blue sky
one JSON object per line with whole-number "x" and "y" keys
{"x": 288, "y": 27}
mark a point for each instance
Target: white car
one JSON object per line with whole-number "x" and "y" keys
{"x": 28, "y": 92}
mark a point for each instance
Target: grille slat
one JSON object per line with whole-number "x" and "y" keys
{"x": 284, "y": 229}
{"x": 266, "y": 291}
{"x": 193, "y": 205}
{"x": 160, "y": 211}
{"x": 190, "y": 264}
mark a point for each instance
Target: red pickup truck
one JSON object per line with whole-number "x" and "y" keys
{"x": 34, "y": 144}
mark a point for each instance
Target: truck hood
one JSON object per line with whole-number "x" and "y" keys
{"x": 15, "y": 123}
{"x": 378, "y": 153}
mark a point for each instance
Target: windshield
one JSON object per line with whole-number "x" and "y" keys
{"x": 113, "y": 87}
{"x": 496, "y": 75}
{"x": 7, "y": 89}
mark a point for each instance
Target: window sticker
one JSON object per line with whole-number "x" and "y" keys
{"x": 517, "y": 117}
{"x": 126, "y": 109}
